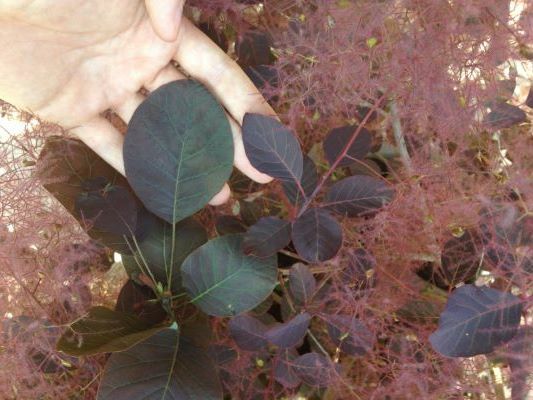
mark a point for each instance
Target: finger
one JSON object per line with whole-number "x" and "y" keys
{"x": 128, "y": 107}
{"x": 205, "y": 61}
{"x": 166, "y": 75}
{"x": 104, "y": 139}
{"x": 222, "y": 196}
{"x": 241, "y": 161}
{"x": 165, "y": 16}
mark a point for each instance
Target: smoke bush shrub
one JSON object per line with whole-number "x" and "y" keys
{"x": 390, "y": 258}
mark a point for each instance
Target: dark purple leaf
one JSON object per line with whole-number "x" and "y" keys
{"x": 227, "y": 225}
{"x": 316, "y": 369}
{"x": 308, "y": 182}
{"x": 283, "y": 370}
{"x": 65, "y": 164}
{"x": 135, "y": 299}
{"x": 350, "y": 334}
{"x": 290, "y": 333}
{"x": 68, "y": 168}
{"x": 362, "y": 111}
{"x": 267, "y": 236}
{"x": 248, "y": 332}
{"x": 316, "y": 235}
{"x": 475, "y": 321}
{"x": 337, "y": 140}
{"x": 302, "y": 283}
{"x": 102, "y": 330}
{"x": 357, "y": 195}
{"x": 253, "y": 49}
{"x": 112, "y": 209}
{"x": 503, "y": 115}
{"x": 460, "y": 259}
{"x": 272, "y": 148}
{"x": 529, "y": 100}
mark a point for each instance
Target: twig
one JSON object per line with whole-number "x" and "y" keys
{"x": 318, "y": 344}
{"x": 399, "y": 137}
{"x": 343, "y": 153}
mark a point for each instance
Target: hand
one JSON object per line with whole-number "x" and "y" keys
{"x": 67, "y": 61}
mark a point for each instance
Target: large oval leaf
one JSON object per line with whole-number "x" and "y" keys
{"x": 316, "y": 235}
{"x": 102, "y": 331}
{"x": 159, "y": 369}
{"x": 357, "y": 195}
{"x": 224, "y": 281}
{"x": 272, "y": 148}
{"x": 337, "y": 140}
{"x": 475, "y": 321}
{"x": 178, "y": 151}
{"x": 267, "y": 236}
{"x": 163, "y": 257}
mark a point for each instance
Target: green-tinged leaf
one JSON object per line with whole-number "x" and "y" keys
{"x": 178, "y": 151}
{"x": 163, "y": 367}
{"x": 156, "y": 251}
{"x": 102, "y": 331}
{"x": 223, "y": 281}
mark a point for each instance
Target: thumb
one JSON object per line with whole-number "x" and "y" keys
{"x": 165, "y": 16}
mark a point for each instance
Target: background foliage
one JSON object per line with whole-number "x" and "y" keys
{"x": 442, "y": 91}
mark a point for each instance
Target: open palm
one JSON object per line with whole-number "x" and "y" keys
{"x": 67, "y": 61}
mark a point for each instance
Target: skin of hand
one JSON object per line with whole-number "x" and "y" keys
{"x": 67, "y": 61}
